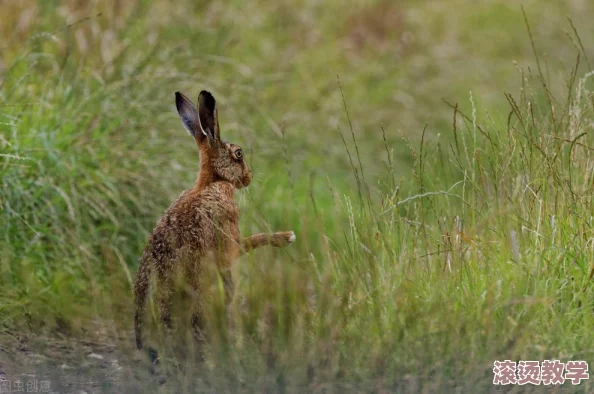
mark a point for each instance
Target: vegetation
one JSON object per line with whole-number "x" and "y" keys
{"x": 434, "y": 159}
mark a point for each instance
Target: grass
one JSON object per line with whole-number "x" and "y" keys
{"x": 440, "y": 193}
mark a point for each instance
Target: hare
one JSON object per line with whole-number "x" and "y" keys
{"x": 202, "y": 226}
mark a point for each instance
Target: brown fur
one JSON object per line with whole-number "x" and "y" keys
{"x": 203, "y": 223}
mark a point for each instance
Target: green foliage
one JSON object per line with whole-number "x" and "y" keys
{"x": 422, "y": 255}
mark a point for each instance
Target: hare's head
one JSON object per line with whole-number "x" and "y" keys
{"x": 222, "y": 159}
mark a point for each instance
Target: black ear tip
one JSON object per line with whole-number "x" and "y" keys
{"x": 207, "y": 98}
{"x": 179, "y": 99}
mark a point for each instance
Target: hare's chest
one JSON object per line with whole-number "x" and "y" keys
{"x": 218, "y": 221}
{"x": 221, "y": 234}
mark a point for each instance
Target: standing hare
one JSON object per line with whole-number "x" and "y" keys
{"x": 202, "y": 226}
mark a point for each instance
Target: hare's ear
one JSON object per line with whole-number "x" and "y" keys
{"x": 208, "y": 115}
{"x": 188, "y": 114}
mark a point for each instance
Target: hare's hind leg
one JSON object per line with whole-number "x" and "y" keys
{"x": 199, "y": 330}
{"x": 198, "y": 325}
{"x": 164, "y": 302}
{"x": 197, "y": 319}
{"x": 165, "y": 294}
{"x": 228, "y": 285}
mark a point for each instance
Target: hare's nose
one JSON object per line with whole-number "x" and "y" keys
{"x": 247, "y": 179}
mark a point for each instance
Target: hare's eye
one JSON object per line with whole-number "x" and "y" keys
{"x": 238, "y": 154}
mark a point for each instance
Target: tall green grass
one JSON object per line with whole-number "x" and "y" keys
{"x": 423, "y": 254}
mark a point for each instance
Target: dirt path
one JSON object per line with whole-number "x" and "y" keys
{"x": 70, "y": 365}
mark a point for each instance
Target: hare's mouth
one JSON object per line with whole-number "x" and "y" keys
{"x": 246, "y": 180}
{"x": 241, "y": 183}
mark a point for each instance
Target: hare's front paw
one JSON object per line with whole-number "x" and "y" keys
{"x": 292, "y": 237}
{"x": 285, "y": 238}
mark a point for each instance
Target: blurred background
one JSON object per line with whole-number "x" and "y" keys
{"x": 324, "y": 96}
